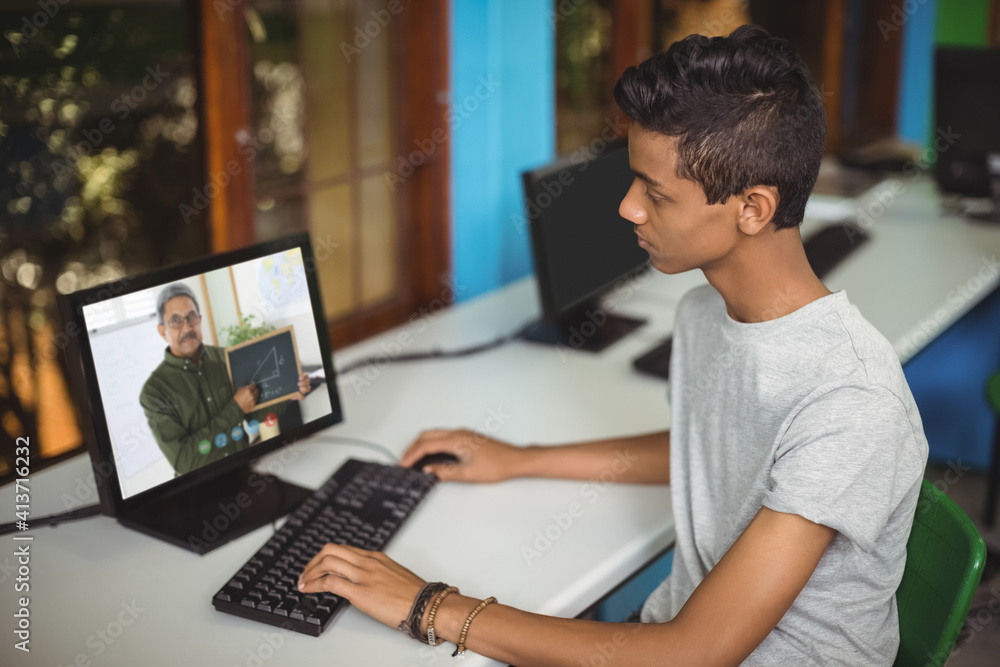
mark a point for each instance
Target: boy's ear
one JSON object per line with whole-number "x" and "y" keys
{"x": 757, "y": 207}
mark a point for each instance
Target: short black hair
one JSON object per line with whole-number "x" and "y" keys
{"x": 744, "y": 109}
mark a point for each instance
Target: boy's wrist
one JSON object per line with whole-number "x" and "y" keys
{"x": 450, "y": 617}
{"x": 528, "y": 462}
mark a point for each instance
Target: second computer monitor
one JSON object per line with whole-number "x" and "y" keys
{"x": 967, "y": 106}
{"x": 581, "y": 246}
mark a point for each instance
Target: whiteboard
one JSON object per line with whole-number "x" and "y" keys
{"x": 124, "y": 359}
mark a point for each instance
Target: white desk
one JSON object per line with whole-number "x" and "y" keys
{"x": 471, "y": 536}
{"x": 85, "y": 574}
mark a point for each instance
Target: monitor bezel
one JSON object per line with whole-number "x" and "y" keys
{"x": 80, "y": 361}
{"x": 532, "y": 183}
{"x": 969, "y": 62}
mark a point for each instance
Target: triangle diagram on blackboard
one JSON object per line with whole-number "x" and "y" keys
{"x": 267, "y": 369}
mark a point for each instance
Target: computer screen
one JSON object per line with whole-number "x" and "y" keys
{"x": 189, "y": 373}
{"x": 967, "y": 106}
{"x": 582, "y": 247}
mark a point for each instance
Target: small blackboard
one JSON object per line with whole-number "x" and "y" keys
{"x": 270, "y": 361}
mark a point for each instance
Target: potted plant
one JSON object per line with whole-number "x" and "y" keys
{"x": 247, "y": 330}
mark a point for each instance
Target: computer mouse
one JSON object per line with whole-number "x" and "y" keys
{"x": 433, "y": 458}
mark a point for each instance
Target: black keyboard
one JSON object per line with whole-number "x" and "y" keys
{"x": 655, "y": 362}
{"x": 362, "y": 505}
{"x": 831, "y": 245}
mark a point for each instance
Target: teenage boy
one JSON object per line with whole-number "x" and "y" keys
{"x": 796, "y": 451}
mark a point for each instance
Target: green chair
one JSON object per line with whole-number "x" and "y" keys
{"x": 945, "y": 556}
{"x": 993, "y": 477}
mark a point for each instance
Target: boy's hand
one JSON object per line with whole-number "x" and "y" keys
{"x": 373, "y": 582}
{"x": 481, "y": 459}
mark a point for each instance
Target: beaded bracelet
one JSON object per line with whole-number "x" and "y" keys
{"x": 460, "y": 649}
{"x": 411, "y": 624}
{"x": 432, "y": 612}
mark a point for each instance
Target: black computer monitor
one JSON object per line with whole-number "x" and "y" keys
{"x": 170, "y": 445}
{"x": 967, "y": 105}
{"x": 582, "y": 247}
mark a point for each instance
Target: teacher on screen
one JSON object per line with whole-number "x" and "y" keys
{"x": 193, "y": 412}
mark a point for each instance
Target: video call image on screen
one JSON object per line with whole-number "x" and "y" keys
{"x": 224, "y": 370}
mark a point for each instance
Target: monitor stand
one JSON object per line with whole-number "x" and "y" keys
{"x": 993, "y": 167}
{"x": 589, "y": 328}
{"x": 218, "y": 510}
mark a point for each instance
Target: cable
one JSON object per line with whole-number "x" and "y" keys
{"x": 358, "y": 441}
{"x": 55, "y": 519}
{"x": 436, "y": 353}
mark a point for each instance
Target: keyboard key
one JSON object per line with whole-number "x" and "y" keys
{"x": 362, "y": 504}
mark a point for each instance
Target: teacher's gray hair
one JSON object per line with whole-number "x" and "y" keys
{"x": 169, "y": 292}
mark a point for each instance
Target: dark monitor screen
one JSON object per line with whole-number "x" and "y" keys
{"x": 160, "y": 360}
{"x": 967, "y": 104}
{"x": 581, "y": 245}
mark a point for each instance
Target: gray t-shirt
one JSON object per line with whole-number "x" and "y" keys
{"x": 807, "y": 414}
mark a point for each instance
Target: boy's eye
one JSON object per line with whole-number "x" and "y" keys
{"x": 655, "y": 198}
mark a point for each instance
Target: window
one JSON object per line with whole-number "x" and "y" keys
{"x": 99, "y": 141}
{"x": 119, "y": 120}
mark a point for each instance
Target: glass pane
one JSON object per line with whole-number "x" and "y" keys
{"x": 277, "y": 91}
{"x": 99, "y": 147}
{"x": 676, "y": 19}
{"x": 276, "y": 218}
{"x": 375, "y": 84}
{"x": 332, "y": 237}
{"x": 324, "y": 27}
{"x": 584, "y": 76}
{"x": 379, "y": 241}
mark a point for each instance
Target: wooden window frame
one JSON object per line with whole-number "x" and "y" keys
{"x": 420, "y": 57}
